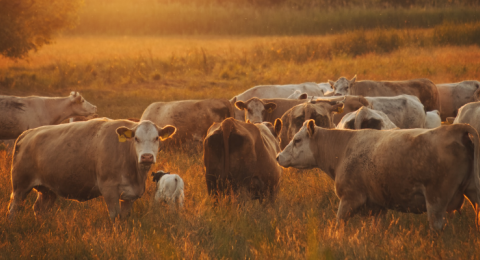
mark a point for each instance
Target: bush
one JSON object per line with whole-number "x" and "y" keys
{"x": 27, "y": 25}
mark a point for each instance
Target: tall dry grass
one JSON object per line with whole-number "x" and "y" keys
{"x": 151, "y": 17}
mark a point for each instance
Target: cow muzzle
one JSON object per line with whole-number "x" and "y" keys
{"x": 147, "y": 158}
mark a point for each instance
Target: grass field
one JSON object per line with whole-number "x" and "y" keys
{"x": 124, "y": 56}
{"x": 122, "y": 75}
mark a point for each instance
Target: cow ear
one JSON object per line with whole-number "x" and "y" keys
{"x": 270, "y": 107}
{"x": 332, "y": 83}
{"x": 303, "y": 96}
{"x": 337, "y": 108}
{"x": 240, "y": 105}
{"x": 310, "y": 127}
{"x": 73, "y": 93}
{"x": 450, "y": 120}
{"x": 278, "y": 126}
{"x": 125, "y": 134}
{"x": 166, "y": 132}
{"x": 353, "y": 79}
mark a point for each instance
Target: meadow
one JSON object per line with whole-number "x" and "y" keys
{"x": 123, "y": 73}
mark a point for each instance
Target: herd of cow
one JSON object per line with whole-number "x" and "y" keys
{"x": 412, "y": 165}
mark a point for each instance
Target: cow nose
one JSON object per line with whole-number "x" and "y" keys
{"x": 278, "y": 158}
{"x": 147, "y": 158}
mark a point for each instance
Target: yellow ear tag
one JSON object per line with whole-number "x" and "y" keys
{"x": 270, "y": 110}
{"x": 340, "y": 109}
{"x": 122, "y": 138}
{"x": 128, "y": 134}
{"x": 165, "y": 136}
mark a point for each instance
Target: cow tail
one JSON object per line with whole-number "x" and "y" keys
{"x": 362, "y": 112}
{"x": 227, "y": 126}
{"x": 476, "y": 171}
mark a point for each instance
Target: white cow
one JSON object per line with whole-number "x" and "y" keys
{"x": 405, "y": 111}
{"x": 455, "y": 95}
{"x": 22, "y": 113}
{"x": 169, "y": 188}
{"x": 432, "y": 119}
{"x": 366, "y": 118}
{"x": 280, "y": 91}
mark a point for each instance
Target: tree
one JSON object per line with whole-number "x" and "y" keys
{"x": 29, "y": 24}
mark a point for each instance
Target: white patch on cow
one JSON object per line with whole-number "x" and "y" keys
{"x": 255, "y": 111}
{"x": 432, "y": 119}
{"x": 146, "y": 140}
{"x": 342, "y": 85}
{"x": 170, "y": 189}
{"x": 298, "y": 153}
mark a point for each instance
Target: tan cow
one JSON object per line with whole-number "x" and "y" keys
{"x": 424, "y": 89}
{"x": 412, "y": 170}
{"x": 366, "y": 118}
{"x": 469, "y": 114}
{"x": 22, "y": 113}
{"x": 85, "y": 160}
{"x": 192, "y": 118}
{"x": 242, "y": 155}
{"x": 266, "y": 110}
{"x": 321, "y": 111}
{"x": 455, "y": 95}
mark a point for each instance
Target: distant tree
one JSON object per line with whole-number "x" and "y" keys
{"x": 29, "y": 24}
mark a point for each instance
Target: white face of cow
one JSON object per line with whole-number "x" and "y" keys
{"x": 298, "y": 153}
{"x": 255, "y": 109}
{"x": 81, "y": 106}
{"x": 146, "y": 139}
{"x": 342, "y": 85}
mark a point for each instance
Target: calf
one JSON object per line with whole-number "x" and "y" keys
{"x": 169, "y": 188}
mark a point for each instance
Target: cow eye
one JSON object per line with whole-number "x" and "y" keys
{"x": 296, "y": 141}
{"x": 156, "y": 138}
{"x": 83, "y": 100}
{"x": 136, "y": 139}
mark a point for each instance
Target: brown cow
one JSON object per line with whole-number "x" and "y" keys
{"x": 192, "y": 118}
{"x": 424, "y": 89}
{"x": 242, "y": 155}
{"x": 22, "y": 113}
{"x": 455, "y": 95}
{"x": 412, "y": 170}
{"x": 266, "y": 110}
{"x": 321, "y": 111}
{"x": 84, "y": 160}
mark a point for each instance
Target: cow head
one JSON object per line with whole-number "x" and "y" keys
{"x": 81, "y": 106}
{"x": 158, "y": 175}
{"x": 146, "y": 137}
{"x": 255, "y": 109}
{"x": 298, "y": 152}
{"x": 320, "y": 110}
{"x": 275, "y": 128}
{"x": 342, "y": 86}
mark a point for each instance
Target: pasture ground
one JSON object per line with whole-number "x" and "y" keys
{"x": 122, "y": 75}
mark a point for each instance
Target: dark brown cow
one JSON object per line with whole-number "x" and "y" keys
{"x": 85, "y": 160}
{"x": 192, "y": 118}
{"x": 242, "y": 155}
{"x": 424, "y": 89}
{"x": 321, "y": 111}
{"x": 411, "y": 170}
{"x": 266, "y": 110}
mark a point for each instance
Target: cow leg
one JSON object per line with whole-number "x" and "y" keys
{"x": 112, "y": 199}
{"x": 125, "y": 207}
{"x": 349, "y": 206}
{"x": 45, "y": 200}
{"x": 16, "y": 198}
